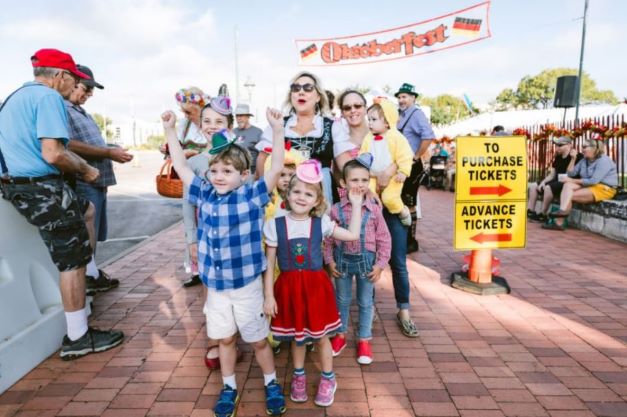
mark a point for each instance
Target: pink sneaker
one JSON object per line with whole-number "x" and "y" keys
{"x": 364, "y": 353}
{"x": 338, "y": 343}
{"x": 326, "y": 392}
{"x": 298, "y": 390}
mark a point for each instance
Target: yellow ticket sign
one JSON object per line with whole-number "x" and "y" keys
{"x": 490, "y": 225}
{"x": 490, "y": 192}
{"x": 491, "y": 168}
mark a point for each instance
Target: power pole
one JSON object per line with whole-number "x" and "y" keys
{"x": 583, "y": 41}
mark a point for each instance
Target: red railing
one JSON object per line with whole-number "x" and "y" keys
{"x": 540, "y": 152}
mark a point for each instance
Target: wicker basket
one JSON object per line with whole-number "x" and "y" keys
{"x": 168, "y": 182}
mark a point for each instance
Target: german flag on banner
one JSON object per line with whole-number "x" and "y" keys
{"x": 466, "y": 27}
{"x": 308, "y": 51}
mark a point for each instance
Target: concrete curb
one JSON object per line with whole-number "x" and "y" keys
{"x": 125, "y": 252}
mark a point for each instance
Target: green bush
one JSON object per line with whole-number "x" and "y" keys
{"x": 152, "y": 143}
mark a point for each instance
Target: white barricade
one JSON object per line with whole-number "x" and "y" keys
{"x": 32, "y": 323}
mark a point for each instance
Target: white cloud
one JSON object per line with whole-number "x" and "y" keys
{"x": 143, "y": 51}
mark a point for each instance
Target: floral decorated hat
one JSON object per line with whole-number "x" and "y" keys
{"x": 193, "y": 95}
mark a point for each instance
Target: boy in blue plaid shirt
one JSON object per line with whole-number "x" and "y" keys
{"x": 231, "y": 261}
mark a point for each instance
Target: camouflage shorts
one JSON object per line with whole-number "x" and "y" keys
{"x": 55, "y": 209}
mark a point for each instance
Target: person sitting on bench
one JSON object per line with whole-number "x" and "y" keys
{"x": 549, "y": 188}
{"x": 598, "y": 182}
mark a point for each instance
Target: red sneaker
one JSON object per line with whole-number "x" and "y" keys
{"x": 338, "y": 343}
{"x": 364, "y": 353}
{"x": 214, "y": 363}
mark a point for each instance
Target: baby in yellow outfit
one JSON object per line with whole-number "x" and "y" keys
{"x": 388, "y": 146}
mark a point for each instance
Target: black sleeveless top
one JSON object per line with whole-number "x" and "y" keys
{"x": 320, "y": 148}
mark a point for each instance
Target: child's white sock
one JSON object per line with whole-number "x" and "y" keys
{"x": 92, "y": 268}
{"x": 269, "y": 378}
{"x": 76, "y": 324}
{"x": 230, "y": 381}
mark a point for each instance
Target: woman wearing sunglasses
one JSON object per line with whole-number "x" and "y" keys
{"x": 597, "y": 180}
{"x": 309, "y": 130}
{"x": 353, "y": 107}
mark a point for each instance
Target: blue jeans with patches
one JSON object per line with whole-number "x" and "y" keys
{"x": 359, "y": 266}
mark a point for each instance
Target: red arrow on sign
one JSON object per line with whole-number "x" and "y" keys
{"x": 497, "y": 237}
{"x": 500, "y": 190}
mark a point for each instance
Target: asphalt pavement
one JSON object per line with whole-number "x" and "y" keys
{"x": 135, "y": 211}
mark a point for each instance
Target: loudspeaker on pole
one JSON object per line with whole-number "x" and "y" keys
{"x": 566, "y": 91}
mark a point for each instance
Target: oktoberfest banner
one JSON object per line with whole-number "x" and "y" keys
{"x": 454, "y": 29}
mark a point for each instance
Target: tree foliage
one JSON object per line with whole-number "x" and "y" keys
{"x": 445, "y": 108}
{"x": 100, "y": 121}
{"x": 538, "y": 91}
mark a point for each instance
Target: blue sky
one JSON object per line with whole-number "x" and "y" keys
{"x": 143, "y": 51}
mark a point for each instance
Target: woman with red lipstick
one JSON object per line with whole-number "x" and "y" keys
{"x": 310, "y": 130}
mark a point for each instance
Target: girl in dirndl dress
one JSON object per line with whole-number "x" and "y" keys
{"x": 302, "y": 301}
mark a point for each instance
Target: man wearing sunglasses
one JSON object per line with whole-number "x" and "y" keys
{"x": 549, "y": 188}
{"x": 415, "y": 126}
{"x": 33, "y": 139}
{"x": 87, "y": 141}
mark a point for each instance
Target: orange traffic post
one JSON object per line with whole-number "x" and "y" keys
{"x": 479, "y": 279}
{"x": 480, "y": 266}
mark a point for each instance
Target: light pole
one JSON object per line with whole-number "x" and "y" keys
{"x": 249, "y": 84}
{"x": 583, "y": 41}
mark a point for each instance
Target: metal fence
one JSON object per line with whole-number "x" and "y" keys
{"x": 540, "y": 152}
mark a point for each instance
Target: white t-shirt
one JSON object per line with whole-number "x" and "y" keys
{"x": 296, "y": 229}
{"x": 193, "y": 135}
{"x": 339, "y": 130}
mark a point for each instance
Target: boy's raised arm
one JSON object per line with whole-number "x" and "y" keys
{"x": 176, "y": 152}
{"x": 275, "y": 118}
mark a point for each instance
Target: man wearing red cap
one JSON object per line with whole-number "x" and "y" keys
{"x": 33, "y": 154}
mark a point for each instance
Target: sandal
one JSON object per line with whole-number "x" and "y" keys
{"x": 553, "y": 226}
{"x": 559, "y": 214}
{"x": 408, "y": 328}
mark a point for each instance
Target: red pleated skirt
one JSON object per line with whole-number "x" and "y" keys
{"x": 306, "y": 306}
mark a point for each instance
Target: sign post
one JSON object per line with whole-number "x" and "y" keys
{"x": 490, "y": 206}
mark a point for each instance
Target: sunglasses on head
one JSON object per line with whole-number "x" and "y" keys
{"x": 308, "y": 87}
{"x": 349, "y": 107}
{"x": 559, "y": 145}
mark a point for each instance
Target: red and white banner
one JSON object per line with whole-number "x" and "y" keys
{"x": 454, "y": 29}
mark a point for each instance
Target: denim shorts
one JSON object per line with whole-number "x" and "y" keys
{"x": 98, "y": 197}
{"x": 57, "y": 212}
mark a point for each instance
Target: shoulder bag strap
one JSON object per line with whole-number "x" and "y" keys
{"x": 407, "y": 120}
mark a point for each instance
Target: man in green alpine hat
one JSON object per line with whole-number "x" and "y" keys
{"x": 415, "y": 126}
